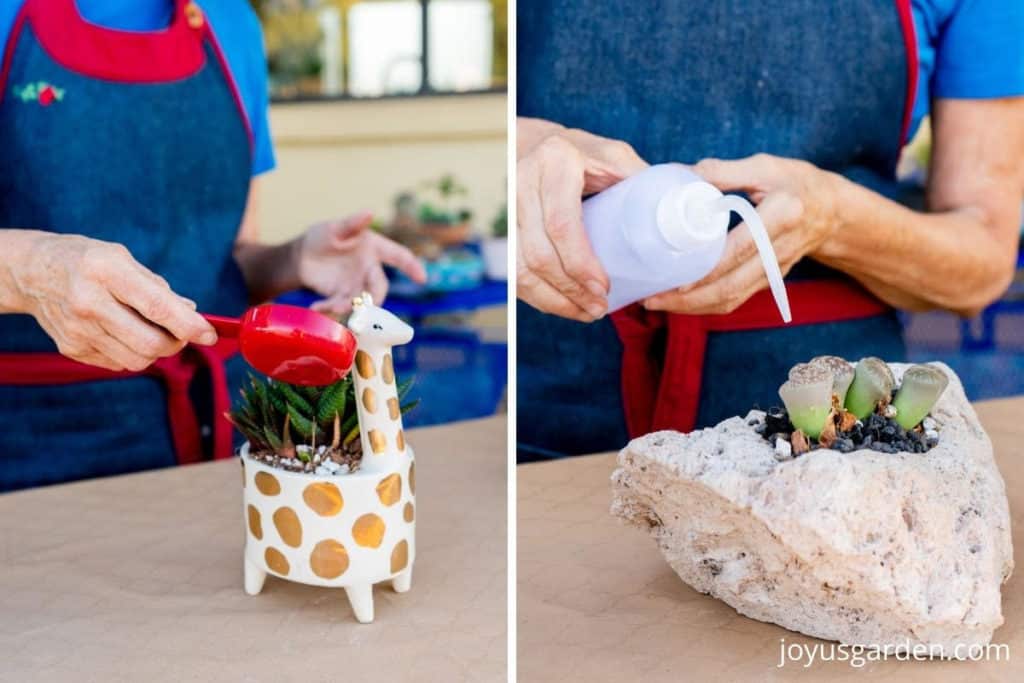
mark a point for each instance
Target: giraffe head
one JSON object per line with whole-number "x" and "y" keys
{"x": 375, "y": 327}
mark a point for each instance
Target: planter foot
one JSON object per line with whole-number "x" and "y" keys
{"x": 361, "y": 599}
{"x": 403, "y": 581}
{"x": 254, "y": 578}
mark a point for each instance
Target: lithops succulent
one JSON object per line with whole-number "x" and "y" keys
{"x": 842, "y": 373}
{"x": 872, "y": 383}
{"x": 808, "y": 397}
{"x": 921, "y": 388}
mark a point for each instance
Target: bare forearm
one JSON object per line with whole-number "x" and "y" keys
{"x": 15, "y": 249}
{"x": 952, "y": 259}
{"x": 269, "y": 270}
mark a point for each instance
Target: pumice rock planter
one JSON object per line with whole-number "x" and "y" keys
{"x": 341, "y": 528}
{"x": 879, "y": 549}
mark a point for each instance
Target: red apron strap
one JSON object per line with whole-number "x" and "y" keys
{"x": 222, "y": 430}
{"x": 175, "y": 372}
{"x": 638, "y": 330}
{"x": 664, "y": 392}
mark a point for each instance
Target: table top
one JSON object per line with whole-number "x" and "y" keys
{"x": 597, "y": 602}
{"x": 139, "y": 578}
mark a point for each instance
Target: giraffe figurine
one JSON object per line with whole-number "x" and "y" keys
{"x": 348, "y": 531}
{"x": 380, "y": 416}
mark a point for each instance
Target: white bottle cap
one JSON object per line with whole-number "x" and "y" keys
{"x": 684, "y": 219}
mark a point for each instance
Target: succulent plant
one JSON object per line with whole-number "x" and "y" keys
{"x": 921, "y": 388}
{"x": 274, "y": 414}
{"x": 808, "y": 397}
{"x": 872, "y": 383}
{"x": 842, "y": 373}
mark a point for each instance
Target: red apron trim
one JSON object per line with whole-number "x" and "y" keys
{"x": 661, "y": 389}
{"x": 175, "y": 372}
{"x": 173, "y": 53}
{"x": 910, "y": 43}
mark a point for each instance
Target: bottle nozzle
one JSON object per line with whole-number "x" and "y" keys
{"x": 758, "y": 232}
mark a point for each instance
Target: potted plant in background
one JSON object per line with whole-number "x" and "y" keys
{"x": 445, "y": 223}
{"x": 495, "y": 247}
{"x": 328, "y": 478}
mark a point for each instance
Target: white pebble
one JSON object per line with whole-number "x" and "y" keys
{"x": 890, "y": 411}
{"x": 929, "y": 424}
{"x": 322, "y": 471}
{"x": 783, "y": 449}
{"x": 331, "y": 465}
{"x": 342, "y": 469}
{"x": 931, "y": 434}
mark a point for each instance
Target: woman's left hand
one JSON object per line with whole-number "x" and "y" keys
{"x": 795, "y": 199}
{"x": 340, "y": 259}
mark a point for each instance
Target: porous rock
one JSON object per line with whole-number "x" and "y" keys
{"x": 890, "y": 550}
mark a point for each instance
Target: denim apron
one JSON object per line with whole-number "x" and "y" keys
{"x": 137, "y": 138}
{"x": 831, "y": 83}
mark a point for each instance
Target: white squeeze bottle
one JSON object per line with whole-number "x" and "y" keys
{"x": 665, "y": 227}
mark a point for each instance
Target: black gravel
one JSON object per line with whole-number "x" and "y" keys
{"x": 878, "y": 433}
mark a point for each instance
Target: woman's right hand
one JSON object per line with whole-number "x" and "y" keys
{"x": 556, "y": 269}
{"x": 99, "y": 304}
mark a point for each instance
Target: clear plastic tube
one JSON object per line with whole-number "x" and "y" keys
{"x": 758, "y": 232}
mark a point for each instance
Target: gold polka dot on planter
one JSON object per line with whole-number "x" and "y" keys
{"x": 329, "y": 559}
{"x": 387, "y": 370}
{"x": 378, "y": 442}
{"x": 267, "y": 484}
{"x": 394, "y": 410}
{"x": 400, "y": 557}
{"x": 369, "y": 400}
{"x": 412, "y": 477}
{"x": 400, "y": 441}
{"x": 368, "y": 531}
{"x": 288, "y": 526}
{"x": 408, "y": 513}
{"x": 323, "y": 498}
{"x": 277, "y": 562}
{"x": 255, "y": 525}
{"x": 364, "y": 365}
{"x": 389, "y": 490}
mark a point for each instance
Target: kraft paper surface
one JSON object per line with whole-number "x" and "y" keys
{"x": 139, "y": 578}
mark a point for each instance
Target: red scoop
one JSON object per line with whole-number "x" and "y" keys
{"x": 290, "y": 343}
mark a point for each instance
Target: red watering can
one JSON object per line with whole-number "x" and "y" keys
{"x": 291, "y": 344}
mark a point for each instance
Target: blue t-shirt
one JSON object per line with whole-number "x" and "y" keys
{"x": 238, "y": 33}
{"x": 967, "y": 49}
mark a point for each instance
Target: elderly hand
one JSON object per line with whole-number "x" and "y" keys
{"x": 100, "y": 305}
{"x": 795, "y": 200}
{"x": 339, "y": 259}
{"x": 556, "y": 270}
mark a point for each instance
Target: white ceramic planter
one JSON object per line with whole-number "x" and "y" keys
{"x": 495, "y": 253}
{"x": 349, "y": 531}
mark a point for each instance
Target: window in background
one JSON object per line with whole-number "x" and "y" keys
{"x": 379, "y": 48}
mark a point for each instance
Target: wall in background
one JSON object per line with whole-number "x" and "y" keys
{"x": 335, "y": 158}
